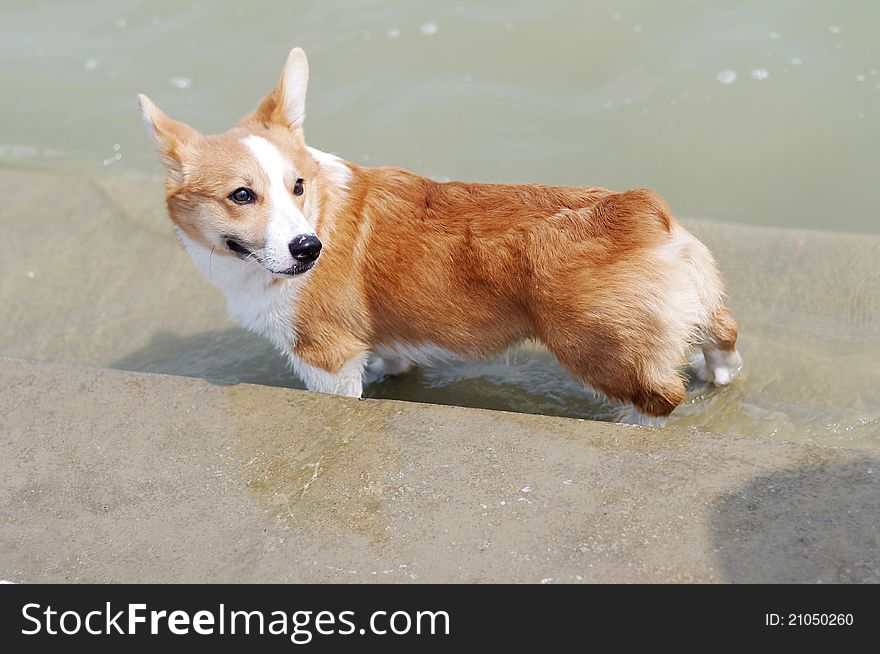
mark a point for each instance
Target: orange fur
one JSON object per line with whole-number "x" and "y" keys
{"x": 476, "y": 268}
{"x": 609, "y": 282}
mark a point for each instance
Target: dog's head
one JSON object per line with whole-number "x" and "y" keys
{"x": 252, "y": 192}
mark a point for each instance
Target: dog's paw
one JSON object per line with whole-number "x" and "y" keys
{"x": 717, "y": 367}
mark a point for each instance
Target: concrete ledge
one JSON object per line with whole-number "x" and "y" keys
{"x": 118, "y": 476}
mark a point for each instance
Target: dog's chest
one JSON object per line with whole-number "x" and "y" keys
{"x": 261, "y": 307}
{"x": 267, "y": 311}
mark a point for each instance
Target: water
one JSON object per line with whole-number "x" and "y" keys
{"x": 748, "y": 114}
{"x": 619, "y": 94}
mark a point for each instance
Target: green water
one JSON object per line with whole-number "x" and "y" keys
{"x": 745, "y": 115}
{"x": 619, "y": 94}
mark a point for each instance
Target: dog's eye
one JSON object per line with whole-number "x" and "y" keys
{"x": 242, "y": 196}
{"x": 298, "y": 187}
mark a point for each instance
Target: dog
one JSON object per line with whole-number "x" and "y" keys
{"x": 352, "y": 271}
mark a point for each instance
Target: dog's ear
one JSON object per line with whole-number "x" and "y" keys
{"x": 286, "y": 103}
{"x": 173, "y": 139}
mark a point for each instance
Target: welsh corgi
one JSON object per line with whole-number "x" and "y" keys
{"x": 352, "y": 271}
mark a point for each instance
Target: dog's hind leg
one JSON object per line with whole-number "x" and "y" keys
{"x": 618, "y": 368}
{"x": 653, "y": 402}
{"x": 718, "y": 362}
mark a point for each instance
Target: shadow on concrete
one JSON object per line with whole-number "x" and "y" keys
{"x": 532, "y": 384}
{"x": 819, "y": 523}
{"x": 229, "y": 356}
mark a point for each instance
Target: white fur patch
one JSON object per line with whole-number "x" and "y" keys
{"x": 286, "y": 221}
{"x": 337, "y": 172}
{"x": 422, "y": 354}
{"x": 348, "y": 381}
{"x": 715, "y": 366}
{"x": 268, "y": 309}
{"x": 257, "y": 305}
{"x": 692, "y": 290}
{"x": 388, "y": 361}
{"x": 688, "y": 292}
{"x": 389, "y": 365}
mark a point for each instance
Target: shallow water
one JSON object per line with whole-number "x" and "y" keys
{"x": 754, "y": 114}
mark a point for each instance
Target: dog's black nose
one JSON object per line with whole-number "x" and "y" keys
{"x": 305, "y": 248}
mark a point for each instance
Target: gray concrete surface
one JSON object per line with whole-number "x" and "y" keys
{"x": 119, "y": 476}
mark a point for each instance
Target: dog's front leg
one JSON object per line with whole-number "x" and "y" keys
{"x": 347, "y": 380}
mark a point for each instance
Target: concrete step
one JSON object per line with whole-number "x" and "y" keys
{"x": 112, "y": 476}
